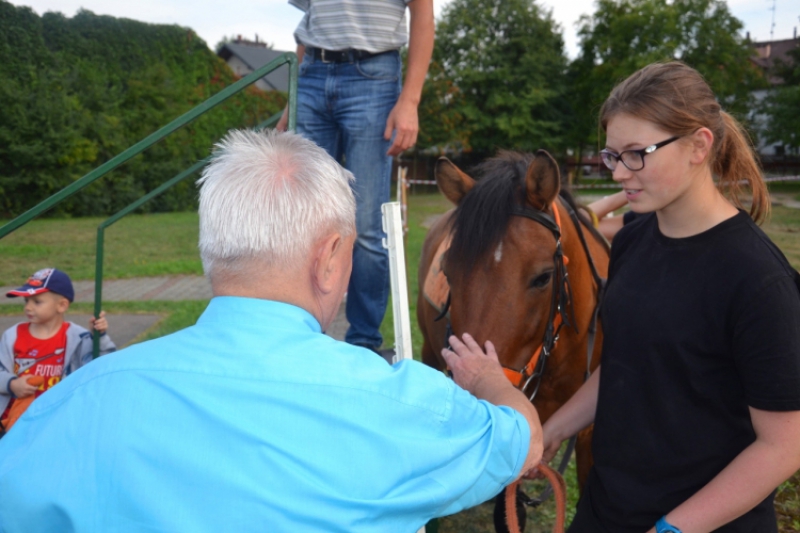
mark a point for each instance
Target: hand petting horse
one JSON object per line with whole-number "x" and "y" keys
{"x": 515, "y": 264}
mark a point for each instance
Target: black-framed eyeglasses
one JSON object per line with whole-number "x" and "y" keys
{"x": 632, "y": 159}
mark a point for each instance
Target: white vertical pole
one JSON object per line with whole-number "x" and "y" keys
{"x": 393, "y": 226}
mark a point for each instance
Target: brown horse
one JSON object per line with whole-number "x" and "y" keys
{"x": 502, "y": 269}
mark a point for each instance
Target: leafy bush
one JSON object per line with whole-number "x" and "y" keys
{"x": 75, "y": 92}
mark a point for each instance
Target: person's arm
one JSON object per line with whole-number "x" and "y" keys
{"x": 748, "y": 479}
{"x": 283, "y": 123}
{"x": 403, "y": 119}
{"x": 480, "y": 374}
{"x": 607, "y": 204}
{"x": 577, "y": 414}
{"x": 10, "y": 384}
{"x": 101, "y": 326}
{"x": 6, "y": 365}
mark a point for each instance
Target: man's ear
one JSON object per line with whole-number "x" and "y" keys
{"x": 326, "y": 255}
{"x": 702, "y": 140}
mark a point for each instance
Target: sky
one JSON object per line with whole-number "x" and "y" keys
{"x": 274, "y": 20}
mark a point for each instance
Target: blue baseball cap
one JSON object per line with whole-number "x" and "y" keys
{"x": 46, "y": 280}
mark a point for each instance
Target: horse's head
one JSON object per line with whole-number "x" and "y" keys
{"x": 500, "y": 266}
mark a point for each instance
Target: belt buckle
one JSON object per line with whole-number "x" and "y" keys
{"x": 322, "y": 56}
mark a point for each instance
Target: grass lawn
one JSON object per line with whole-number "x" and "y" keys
{"x": 163, "y": 244}
{"x": 138, "y": 245}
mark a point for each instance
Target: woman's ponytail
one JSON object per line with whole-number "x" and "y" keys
{"x": 736, "y": 167}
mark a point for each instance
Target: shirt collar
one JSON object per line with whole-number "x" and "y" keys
{"x": 237, "y": 309}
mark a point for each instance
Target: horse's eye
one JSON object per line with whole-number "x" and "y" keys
{"x": 541, "y": 280}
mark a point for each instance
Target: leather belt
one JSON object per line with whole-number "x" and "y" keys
{"x": 341, "y": 56}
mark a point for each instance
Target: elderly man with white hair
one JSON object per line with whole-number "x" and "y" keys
{"x": 253, "y": 419}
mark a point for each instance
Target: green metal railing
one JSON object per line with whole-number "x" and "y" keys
{"x": 130, "y": 208}
{"x": 153, "y": 138}
{"x": 47, "y": 204}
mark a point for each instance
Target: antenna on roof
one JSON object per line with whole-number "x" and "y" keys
{"x": 772, "y": 28}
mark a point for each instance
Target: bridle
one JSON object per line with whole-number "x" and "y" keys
{"x": 561, "y": 312}
{"x": 561, "y": 309}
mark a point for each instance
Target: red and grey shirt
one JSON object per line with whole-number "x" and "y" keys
{"x": 39, "y": 357}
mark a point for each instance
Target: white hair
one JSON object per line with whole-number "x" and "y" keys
{"x": 268, "y": 196}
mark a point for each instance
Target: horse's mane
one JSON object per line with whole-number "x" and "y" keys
{"x": 482, "y": 217}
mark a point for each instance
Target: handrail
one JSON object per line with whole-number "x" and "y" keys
{"x": 136, "y": 149}
{"x": 100, "y": 250}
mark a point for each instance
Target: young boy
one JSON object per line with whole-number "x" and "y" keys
{"x": 37, "y": 354}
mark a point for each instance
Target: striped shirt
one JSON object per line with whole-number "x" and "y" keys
{"x": 371, "y": 25}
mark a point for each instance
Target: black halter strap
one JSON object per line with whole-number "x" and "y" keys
{"x": 560, "y": 302}
{"x": 539, "y": 216}
{"x": 600, "y": 283}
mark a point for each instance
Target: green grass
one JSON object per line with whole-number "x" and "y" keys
{"x": 138, "y": 245}
{"x": 783, "y": 228}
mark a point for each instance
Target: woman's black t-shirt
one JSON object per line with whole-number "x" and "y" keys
{"x": 695, "y": 330}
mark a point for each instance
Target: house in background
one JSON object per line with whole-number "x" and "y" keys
{"x": 244, "y": 57}
{"x": 768, "y": 54}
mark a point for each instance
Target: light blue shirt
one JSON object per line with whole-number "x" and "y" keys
{"x": 253, "y": 420}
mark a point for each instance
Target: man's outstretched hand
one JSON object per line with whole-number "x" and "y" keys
{"x": 469, "y": 363}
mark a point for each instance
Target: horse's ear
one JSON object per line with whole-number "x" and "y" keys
{"x": 542, "y": 180}
{"x": 453, "y": 183}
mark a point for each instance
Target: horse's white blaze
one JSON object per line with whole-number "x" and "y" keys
{"x": 498, "y": 254}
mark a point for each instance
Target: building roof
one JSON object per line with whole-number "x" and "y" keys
{"x": 770, "y": 52}
{"x": 255, "y": 56}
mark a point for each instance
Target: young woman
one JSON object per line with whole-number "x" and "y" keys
{"x": 697, "y": 406}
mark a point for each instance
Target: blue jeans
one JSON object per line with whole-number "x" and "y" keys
{"x": 343, "y": 108}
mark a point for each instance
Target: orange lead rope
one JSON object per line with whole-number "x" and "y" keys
{"x": 559, "y": 490}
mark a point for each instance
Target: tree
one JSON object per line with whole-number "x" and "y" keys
{"x": 75, "y": 92}
{"x": 623, "y": 36}
{"x": 441, "y": 123}
{"x": 502, "y": 74}
{"x": 782, "y": 106}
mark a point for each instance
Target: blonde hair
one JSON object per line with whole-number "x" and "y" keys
{"x": 677, "y": 98}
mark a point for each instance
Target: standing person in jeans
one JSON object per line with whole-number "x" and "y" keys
{"x": 351, "y": 102}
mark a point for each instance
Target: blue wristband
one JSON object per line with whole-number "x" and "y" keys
{"x": 662, "y": 526}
